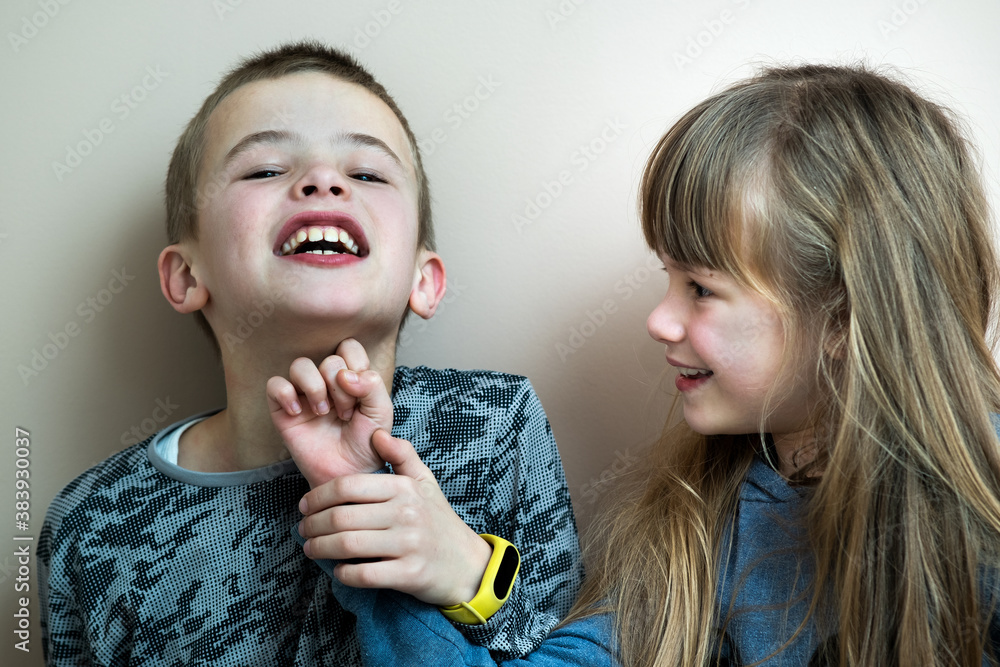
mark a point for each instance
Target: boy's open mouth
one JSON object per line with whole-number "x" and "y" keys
{"x": 321, "y": 233}
{"x": 320, "y": 241}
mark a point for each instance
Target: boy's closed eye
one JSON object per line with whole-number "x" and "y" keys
{"x": 365, "y": 176}
{"x": 368, "y": 177}
{"x": 263, "y": 173}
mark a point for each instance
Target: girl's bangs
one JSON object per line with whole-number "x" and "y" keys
{"x": 694, "y": 197}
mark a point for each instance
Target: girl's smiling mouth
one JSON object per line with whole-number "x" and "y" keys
{"x": 689, "y": 377}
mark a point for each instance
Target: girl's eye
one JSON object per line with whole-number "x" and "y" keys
{"x": 699, "y": 291}
{"x": 264, "y": 173}
{"x": 368, "y": 177}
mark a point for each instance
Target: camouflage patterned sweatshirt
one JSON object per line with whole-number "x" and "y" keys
{"x": 146, "y": 563}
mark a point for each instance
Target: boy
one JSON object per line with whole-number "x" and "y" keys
{"x": 297, "y": 193}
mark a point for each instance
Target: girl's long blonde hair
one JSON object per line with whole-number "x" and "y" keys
{"x": 854, "y": 205}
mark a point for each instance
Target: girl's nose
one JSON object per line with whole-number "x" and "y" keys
{"x": 665, "y": 324}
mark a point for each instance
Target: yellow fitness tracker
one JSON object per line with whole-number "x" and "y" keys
{"x": 495, "y": 588}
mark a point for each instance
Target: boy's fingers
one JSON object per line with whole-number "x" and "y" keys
{"x": 354, "y": 354}
{"x": 343, "y": 402}
{"x": 282, "y": 395}
{"x": 304, "y": 375}
{"x": 373, "y": 399}
{"x": 400, "y": 455}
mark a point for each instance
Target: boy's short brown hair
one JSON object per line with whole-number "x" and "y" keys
{"x": 182, "y": 197}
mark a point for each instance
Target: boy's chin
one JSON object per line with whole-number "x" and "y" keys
{"x": 349, "y": 320}
{"x": 271, "y": 321}
{"x": 320, "y": 308}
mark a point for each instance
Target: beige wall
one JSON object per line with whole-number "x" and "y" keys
{"x": 508, "y": 98}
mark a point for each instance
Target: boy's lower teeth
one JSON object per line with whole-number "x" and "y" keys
{"x": 321, "y": 248}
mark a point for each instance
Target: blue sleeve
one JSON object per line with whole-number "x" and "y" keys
{"x": 397, "y": 629}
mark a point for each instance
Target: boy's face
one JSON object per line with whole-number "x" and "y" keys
{"x": 306, "y": 155}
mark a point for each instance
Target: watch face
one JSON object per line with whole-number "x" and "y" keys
{"x": 504, "y": 579}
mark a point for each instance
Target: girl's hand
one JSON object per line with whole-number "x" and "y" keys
{"x": 405, "y": 521}
{"x": 327, "y": 414}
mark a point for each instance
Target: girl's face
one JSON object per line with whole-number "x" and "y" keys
{"x": 728, "y": 345}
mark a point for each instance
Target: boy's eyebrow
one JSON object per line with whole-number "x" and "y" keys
{"x": 367, "y": 140}
{"x": 263, "y": 137}
{"x": 284, "y": 136}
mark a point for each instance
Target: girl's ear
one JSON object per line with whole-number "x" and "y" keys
{"x": 429, "y": 284}
{"x": 835, "y": 343}
{"x": 179, "y": 281}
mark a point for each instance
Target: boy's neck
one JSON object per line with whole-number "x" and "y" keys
{"x": 242, "y": 436}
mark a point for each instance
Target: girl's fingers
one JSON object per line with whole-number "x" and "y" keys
{"x": 375, "y": 574}
{"x": 359, "y": 489}
{"x": 353, "y": 544}
{"x": 344, "y": 518}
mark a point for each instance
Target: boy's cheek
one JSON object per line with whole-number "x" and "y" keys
{"x": 400, "y": 205}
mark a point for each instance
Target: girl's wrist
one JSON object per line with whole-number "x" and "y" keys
{"x": 479, "y": 554}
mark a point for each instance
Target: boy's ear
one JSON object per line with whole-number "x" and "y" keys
{"x": 178, "y": 282}
{"x": 429, "y": 284}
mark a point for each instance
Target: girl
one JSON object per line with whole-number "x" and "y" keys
{"x": 832, "y": 496}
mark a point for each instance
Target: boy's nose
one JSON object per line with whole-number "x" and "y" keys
{"x": 310, "y": 189}
{"x": 320, "y": 181}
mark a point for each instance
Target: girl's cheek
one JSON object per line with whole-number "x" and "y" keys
{"x": 729, "y": 359}
{"x": 715, "y": 346}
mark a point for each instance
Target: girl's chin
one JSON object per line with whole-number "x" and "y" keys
{"x": 707, "y": 425}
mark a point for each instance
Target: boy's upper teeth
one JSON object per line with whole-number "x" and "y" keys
{"x": 691, "y": 371}
{"x": 315, "y": 234}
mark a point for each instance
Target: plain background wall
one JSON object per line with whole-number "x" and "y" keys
{"x": 536, "y": 118}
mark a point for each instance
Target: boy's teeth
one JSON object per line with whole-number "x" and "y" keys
{"x": 316, "y": 234}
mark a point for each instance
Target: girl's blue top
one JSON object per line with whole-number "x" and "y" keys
{"x": 762, "y": 598}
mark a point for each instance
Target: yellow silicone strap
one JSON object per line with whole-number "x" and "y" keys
{"x": 485, "y": 603}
